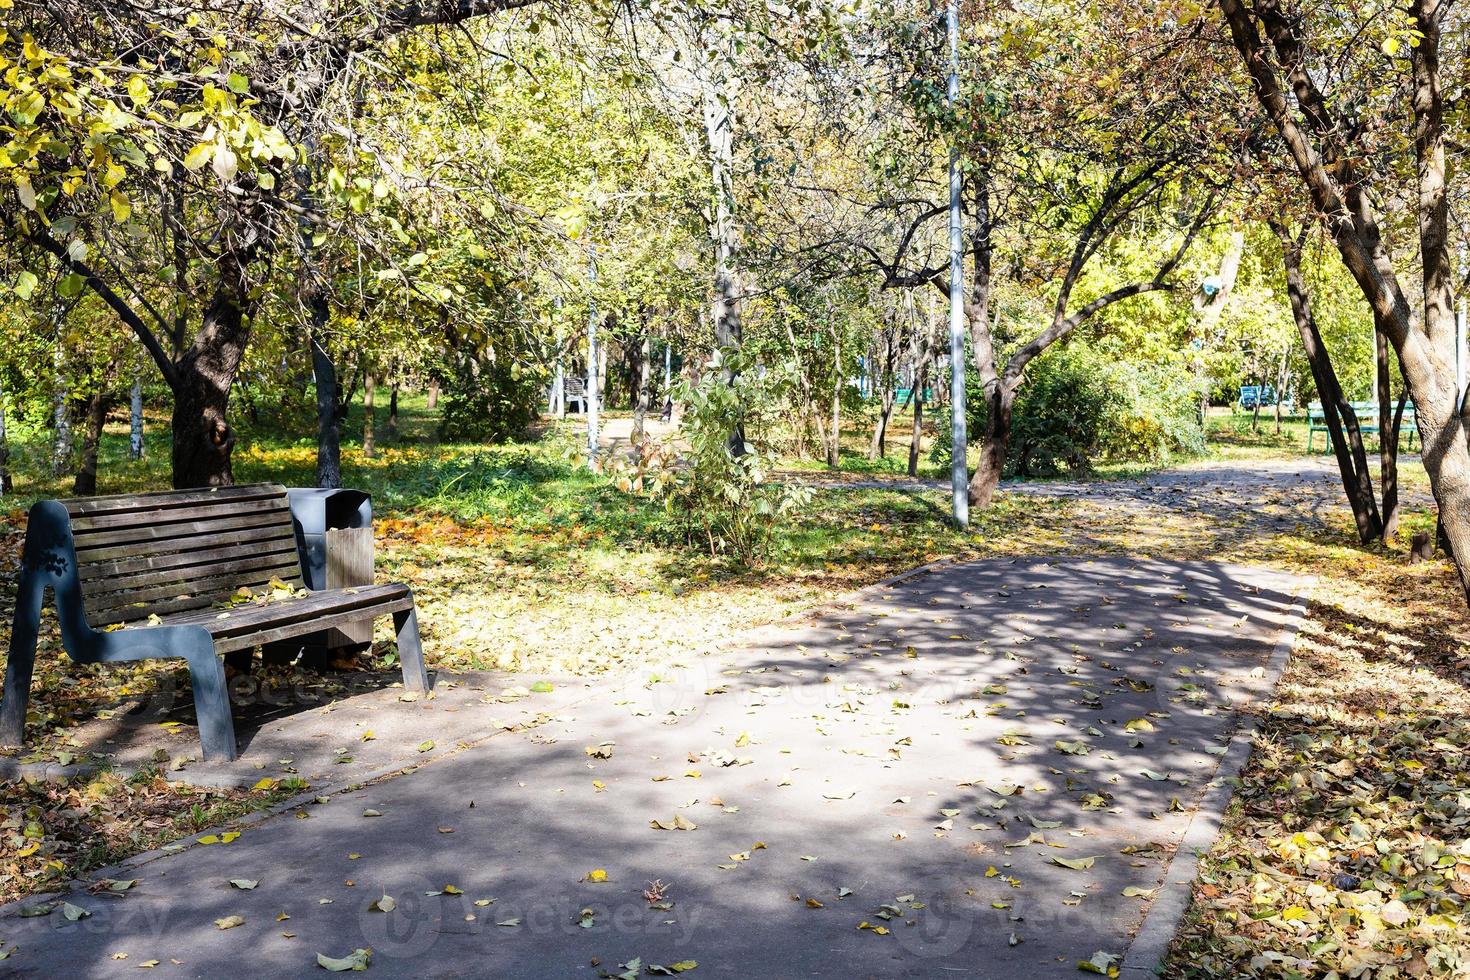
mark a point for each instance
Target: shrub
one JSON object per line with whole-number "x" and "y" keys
{"x": 1079, "y": 406}
{"x": 714, "y": 497}
{"x": 488, "y": 400}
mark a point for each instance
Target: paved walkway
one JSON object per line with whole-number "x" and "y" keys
{"x": 959, "y": 774}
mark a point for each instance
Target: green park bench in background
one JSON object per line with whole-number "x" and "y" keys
{"x": 1367, "y": 413}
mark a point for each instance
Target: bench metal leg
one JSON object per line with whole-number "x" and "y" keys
{"x": 410, "y": 650}
{"x": 212, "y": 706}
{"x": 18, "y": 670}
{"x": 21, "y": 663}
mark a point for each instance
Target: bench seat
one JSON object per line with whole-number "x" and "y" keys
{"x": 248, "y": 626}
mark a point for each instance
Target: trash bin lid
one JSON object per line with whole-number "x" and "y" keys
{"x": 315, "y": 509}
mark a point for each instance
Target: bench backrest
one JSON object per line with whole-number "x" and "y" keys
{"x": 167, "y": 552}
{"x": 1363, "y": 409}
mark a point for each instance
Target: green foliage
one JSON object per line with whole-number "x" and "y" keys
{"x": 488, "y": 401}
{"x": 1081, "y": 407}
{"x": 714, "y": 496}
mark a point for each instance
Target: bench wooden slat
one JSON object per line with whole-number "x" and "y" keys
{"x": 163, "y": 500}
{"x": 118, "y": 568}
{"x": 182, "y": 531}
{"x": 247, "y": 641}
{"x": 256, "y": 537}
{"x": 82, "y": 526}
{"x": 245, "y": 619}
{"x": 170, "y": 584}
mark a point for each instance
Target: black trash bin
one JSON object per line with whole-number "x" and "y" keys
{"x": 334, "y": 539}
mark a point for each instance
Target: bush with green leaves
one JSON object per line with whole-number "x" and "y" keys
{"x": 1080, "y": 406}
{"x": 488, "y": 400}
{"x": 716, "y": 498}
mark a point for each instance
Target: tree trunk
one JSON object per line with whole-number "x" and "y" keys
{"x": 369, "y": 419}
{"x": 1342, "y": 423}
{"x": 884, "y": 385}
{"x": 61, "y": 444}
{"x": 1388, "y": 442}
{"x": 994, "y": 442}
{"x": 719, "y": 130}
{"x": 640, "y": 408}
{"x": 203, "y": 437}
{"x": 558, "y": 406}
{"x": 6, "y": 486}
{"x": 1281, "y": 378}
{"x": 834, "y": 446}
{"x": 1209, "y": 316}
{"x": 916, "y": 434}
{"x": 85, "y": 484}
{"x": 135, "y": 420}
{"x": 433, "y": 393}
{"x": 393, "y": 413}
{"x": 328, "y": 418}
{"x": 878, "y": 450}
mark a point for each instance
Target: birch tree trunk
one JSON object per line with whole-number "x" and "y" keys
{"x": 135, "y": 420}
{"x": 61, "y": 438}
{"x": 640, "y": 408}
{"x": 834, "y": 445}
{"x": 1208, "y": 318}
{"x": 719, "y": 132}
{"x": 369, "y": 419}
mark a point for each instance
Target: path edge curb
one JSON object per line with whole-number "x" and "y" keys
{"x": 1146, "y": 954}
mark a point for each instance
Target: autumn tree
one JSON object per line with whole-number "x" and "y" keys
{"x": 147, "y": 158}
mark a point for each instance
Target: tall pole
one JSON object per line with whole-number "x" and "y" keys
{"x": 959, "y": 473}
{"x": 592, "y": 393}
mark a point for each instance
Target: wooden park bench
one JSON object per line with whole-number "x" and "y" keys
{"x": 158, "y": 575}
{"x": 1367, "y": 413}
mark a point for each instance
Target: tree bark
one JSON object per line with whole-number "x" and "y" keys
{"x": 369, "y": 418}
{"x": 834, "y": 445}
{"x": 916, "y": 433}
{"x": 85, "y": 484}
{"x": 719, "y": 130}
{"x": 203, "y": 436}
{"x": 640, "y": 408}
{"x": 994, "y": 443}
{"x": 328, "y": 392}
{"x": 1343, "y": 431}
{"x": 884, "y": 387}
{"x": 1210, "y": 311}
{"x": 6, "y": 485}
{"x": 879, "y": 449}
{"x": 433, "y": 393}
{"x": 61, "y": 439}
{"x": 393, "y": 413}
{"x": 1388, "y": 441}
{"x": 135, "y": 419}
